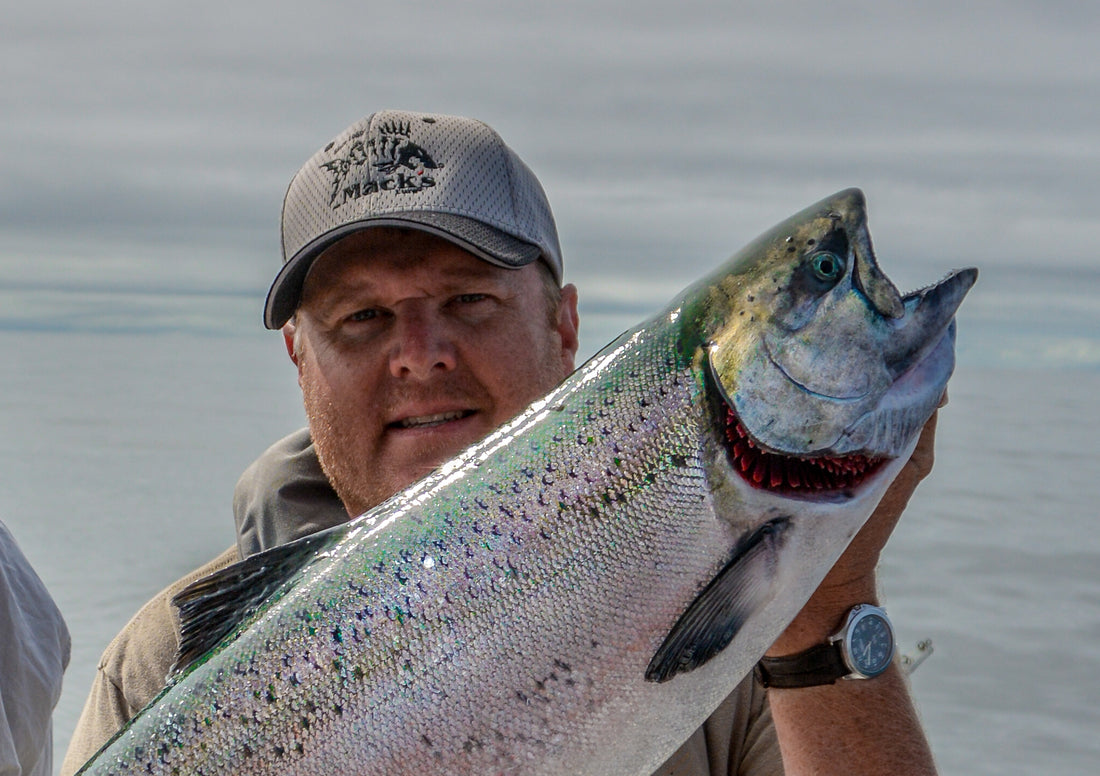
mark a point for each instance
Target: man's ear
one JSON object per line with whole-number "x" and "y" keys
{"x": 568, "y": 325}
{"x": 288, "y": 330}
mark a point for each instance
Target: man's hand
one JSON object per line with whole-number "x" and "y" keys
{"x": 851, "y": 581}
{"x": 860, "y": 728}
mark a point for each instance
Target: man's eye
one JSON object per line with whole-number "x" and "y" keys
{"x": 363, "y": 315}
{"x": 470, "y": 298}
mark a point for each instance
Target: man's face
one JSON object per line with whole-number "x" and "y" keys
{"x": 409, "y": 349}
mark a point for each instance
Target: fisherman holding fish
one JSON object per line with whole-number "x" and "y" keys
{"x": 422, "y": 304}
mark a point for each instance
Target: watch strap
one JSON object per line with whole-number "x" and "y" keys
{"x": 821, "y": 664}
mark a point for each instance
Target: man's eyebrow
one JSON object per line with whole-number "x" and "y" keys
{"x": 351, "y": 289}
{"x": 335, "y": 293}
{"x": 482, "y": 271}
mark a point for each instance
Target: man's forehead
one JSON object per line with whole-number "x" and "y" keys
{"x": 379, "y": 256}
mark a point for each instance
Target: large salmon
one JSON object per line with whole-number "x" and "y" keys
{"x": 577, "y": 593}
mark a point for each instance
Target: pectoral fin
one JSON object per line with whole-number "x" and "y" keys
{"x": 718, "y": 612}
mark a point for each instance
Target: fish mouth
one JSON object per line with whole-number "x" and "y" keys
{"x": 792, "y": 475}
{"x": 811, "y": 475}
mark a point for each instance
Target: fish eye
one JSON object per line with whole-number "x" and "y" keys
{"x": 827, "y": 266}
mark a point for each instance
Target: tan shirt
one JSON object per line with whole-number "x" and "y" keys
{"x": 133, "y": 668}
{"x": 282, "y": 496}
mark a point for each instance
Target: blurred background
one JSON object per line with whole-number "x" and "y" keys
{"x": 145, "y": 148}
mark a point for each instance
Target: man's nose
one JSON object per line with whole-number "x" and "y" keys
{"x": 422, "y": 345}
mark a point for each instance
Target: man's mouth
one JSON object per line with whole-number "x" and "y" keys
{"x": 428, "y": 421}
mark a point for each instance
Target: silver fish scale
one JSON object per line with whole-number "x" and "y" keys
{"x": 493, "y": 602}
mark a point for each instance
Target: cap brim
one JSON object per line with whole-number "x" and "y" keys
{"x": 486, "y": 242}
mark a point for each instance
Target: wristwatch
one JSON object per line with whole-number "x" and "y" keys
{"x": 862, "y": 649}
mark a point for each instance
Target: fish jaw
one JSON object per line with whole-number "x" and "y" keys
{"x": 817, "y": 365}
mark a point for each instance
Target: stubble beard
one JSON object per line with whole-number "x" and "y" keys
{"x": 339, "y": 456}
{"x": 360, "y": 479}
{"x": 362, "y": 483}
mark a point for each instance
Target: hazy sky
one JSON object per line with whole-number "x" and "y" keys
{"x": 148, "y": 145}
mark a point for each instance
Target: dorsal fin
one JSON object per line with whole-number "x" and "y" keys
{"x": 714, "y": 617}
{"x": 214, "y": 606}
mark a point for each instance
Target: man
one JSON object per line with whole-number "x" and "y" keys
{"x": 421, "y": 303}
{"x": 34, "y": 651}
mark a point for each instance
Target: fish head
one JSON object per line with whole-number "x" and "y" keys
{"x": 824, "y": 369}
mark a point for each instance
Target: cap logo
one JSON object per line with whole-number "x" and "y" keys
{"x": 390, "y": 161}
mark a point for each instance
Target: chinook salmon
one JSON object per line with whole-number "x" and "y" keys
{"x": 576, "y": 593}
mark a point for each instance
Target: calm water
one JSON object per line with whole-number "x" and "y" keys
{"x": 143, "y": 158}
{"x": 121, "y": 450}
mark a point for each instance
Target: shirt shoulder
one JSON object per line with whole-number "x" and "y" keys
{"x": 133, "y": 668}
{"x": 284, "y": 495}
{"x": 138, "y": 659}
{"x": 34, "y": 651}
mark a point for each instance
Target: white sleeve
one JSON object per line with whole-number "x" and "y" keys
{"x": 34, "y": 651}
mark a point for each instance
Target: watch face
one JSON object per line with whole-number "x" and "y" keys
{"x": 870, "y": 643}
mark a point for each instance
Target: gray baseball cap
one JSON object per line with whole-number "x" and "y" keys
{"x": 448, "y": 175}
